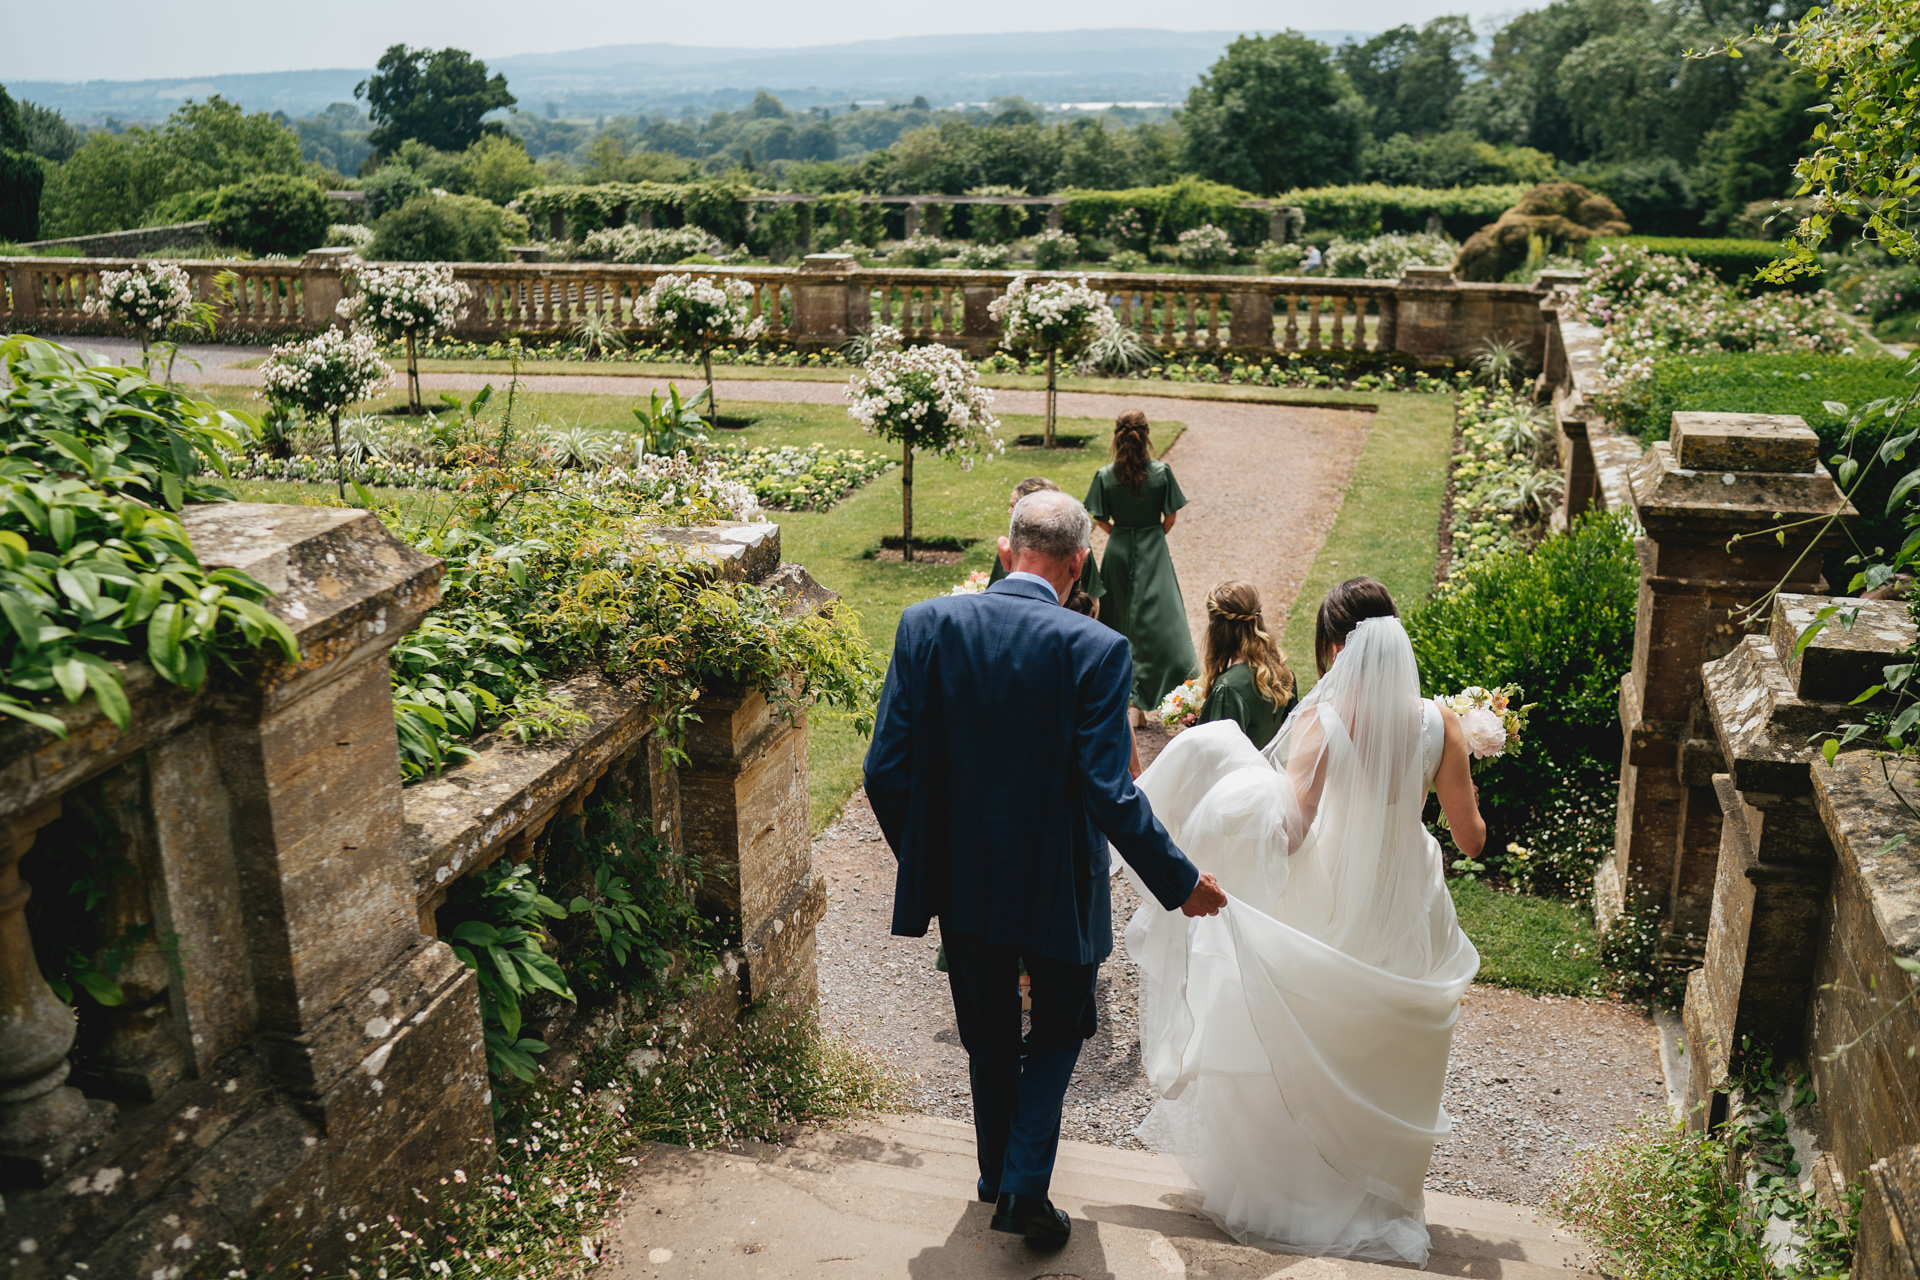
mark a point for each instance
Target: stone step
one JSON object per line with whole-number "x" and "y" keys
{"x": 892, "y": 1197}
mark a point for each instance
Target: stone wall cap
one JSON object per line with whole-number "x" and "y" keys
{"x": 1875, "y": 834}
{"x": 746, "y": 551}
{"x": 1428, "y": 276}
{"x": 1745, "y": 442}
{"x": 1674, "y": 501}
{"x": 829, "y": 262}
{"x": 1844, "y": 658}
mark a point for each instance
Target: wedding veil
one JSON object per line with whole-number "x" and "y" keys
{"x": 1354, "y": 751}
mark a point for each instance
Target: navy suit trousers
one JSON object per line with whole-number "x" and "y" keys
{"x": 1019, "y": 1083}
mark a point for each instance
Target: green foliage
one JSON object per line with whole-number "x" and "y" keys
{"x": 711, "y": 204}
{"x": 1368, "y": 209}
{"x": 1752, "y": 155}
{"x": 437, "y": 96}
{"x": 444, "y": 229}
{"x": 120, "y": 180}
{"x": 272, "y": 213}
{"x": 1557, "y": 620}
{"x": 1142, "y": 216}
{"x": 1409, "y": 78}
{"x": 49, "y": 136}
{"x": 393, "y": 184}
{"x": 495, "y": 921}
{"x": 22, "y": 178}
{"x": 93, "y": 568}
{"x": 1736, "y": 262}
{"x": 1274, "y": 112}
{"x": 1654, "y": 194}
{"x": 671, "y": 425}
{"x": 1454, "y": 158}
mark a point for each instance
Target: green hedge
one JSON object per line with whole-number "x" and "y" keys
{"x": 1369, "y": 209}
{"x": 711, "y": 204}
{"x": 1556, "y": 619}
{"x": 1738, "y": 262}
{"x": 1751, "y": 382}
{"x": 1164, "y": 212}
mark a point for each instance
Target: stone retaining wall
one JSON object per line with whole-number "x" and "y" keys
{"x": 305, "y": 1050}
{"x": 112, "y": 244}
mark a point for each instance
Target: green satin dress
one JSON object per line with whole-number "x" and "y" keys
{"x": 1236, "y": 697}
{"x": 1143, "y": 595}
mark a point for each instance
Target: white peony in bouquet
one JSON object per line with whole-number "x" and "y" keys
{"x": 1492, "y": 722}
{"x": 1180, "y": 709}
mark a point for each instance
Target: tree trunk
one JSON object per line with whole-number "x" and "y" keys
{"x": 339, "y": 458}
{"x": 413, "y": 378}
{"x": 145, "y": 343}
{"x": 1050, "y": 395}
{"x": 906, "y": 500}
{"x": 713, "y": 404}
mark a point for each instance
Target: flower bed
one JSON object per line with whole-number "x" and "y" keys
{"x": 1502, "y": 495}
{"x": 797, "y": 477}
{"x": 1652, "y": 305}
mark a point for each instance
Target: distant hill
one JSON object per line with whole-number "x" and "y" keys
{"x": 1047, "y": 67}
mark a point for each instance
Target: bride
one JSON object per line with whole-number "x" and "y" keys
{"x": 1299, "y": 1039}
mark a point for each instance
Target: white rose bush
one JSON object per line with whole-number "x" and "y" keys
{"x": 926, "y": 398}
{"x": 406, "y": 302}
{"x": 321, "y": 376}
{"x": 1060, "y": 317}
{"x": 149, "y": 298}
{"x": 698, "y": 311}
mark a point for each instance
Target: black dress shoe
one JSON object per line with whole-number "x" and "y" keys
{"x": 1033, "y": 1217}
{"x": 986, "y": 1196}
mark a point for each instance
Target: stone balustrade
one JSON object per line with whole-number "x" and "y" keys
{"x": 296, "y": 1046}
{"x": 1426, "y": 315}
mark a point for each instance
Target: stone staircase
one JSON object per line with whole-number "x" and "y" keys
{"x": 893, "y": 1198}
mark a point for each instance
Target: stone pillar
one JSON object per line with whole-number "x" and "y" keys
{"x": 45, "y": 1123}
{"x": 323, "y": 285}
{"x": 1766, "y": 702}
{"x": 979, "y": 331}
{"x": 1250, "y": 318}
{"x": 1055, "y": 216}
{"x": 1425, "y": 304}
{"x": 825, "y": 312}
{"x": 372, "y": 1027}
{"x": 1888, "y": 1247}
{"x": 1723, "y": 477}
{"x": 913, "y": 219}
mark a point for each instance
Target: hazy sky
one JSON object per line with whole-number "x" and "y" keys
{"x": 142, "y": 39}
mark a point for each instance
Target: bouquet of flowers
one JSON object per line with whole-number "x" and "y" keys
{"x": 1491, "y": 720}
{"x": 1181, "y": 707}
{"x": 976, "y": 583}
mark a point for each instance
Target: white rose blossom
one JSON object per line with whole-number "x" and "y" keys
{"x": 1052, "y": 315}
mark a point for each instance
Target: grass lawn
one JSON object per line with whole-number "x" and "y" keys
{"x": 1389, "y": 524}
{"x": 1532, "y": 944}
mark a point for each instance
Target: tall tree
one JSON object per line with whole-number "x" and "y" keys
{"x": 1751, "y": 157}
{"x": 22, "y": 175}
{"x": 1411, "y": 77}
{"x": 1274, "y": 112}
{"x": 438, "y": 96}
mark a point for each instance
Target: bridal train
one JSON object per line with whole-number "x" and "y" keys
{"x": 1299, "y": 1039}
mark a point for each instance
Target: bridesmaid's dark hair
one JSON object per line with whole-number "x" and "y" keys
{"x": 1346, "y": 607}
{"x": 1132, "y": 450}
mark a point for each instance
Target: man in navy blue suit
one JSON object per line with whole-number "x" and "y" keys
{"x": 999, "y": 774}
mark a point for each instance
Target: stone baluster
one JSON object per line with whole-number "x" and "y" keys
{"x": 45, "y": 1123}
{"x": 1767, "y": 705}
{"x": 1706, "y": 502}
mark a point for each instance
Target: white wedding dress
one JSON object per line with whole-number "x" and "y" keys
{"x": 1299, "y": 1039}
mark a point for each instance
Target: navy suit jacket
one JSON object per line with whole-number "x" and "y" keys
{"x": 998, "y": 771}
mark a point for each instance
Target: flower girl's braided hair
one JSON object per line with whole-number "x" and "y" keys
{"x": 1132, "y": 450}
{"x": 1236, "y": 633}
{"x": 1346, "y": 607}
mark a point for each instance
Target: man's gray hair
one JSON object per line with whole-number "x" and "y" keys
{"x": 1050, "y": 523}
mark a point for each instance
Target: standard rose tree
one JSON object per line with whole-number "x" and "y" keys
{"x": 322, "y": 376}
{"x": 150, "y": 298}
{"x": 406, "y": 303}
{"x": 1056, "y": 316}
{"x": 698, "y": 311}
{"x": 926, "y": 398}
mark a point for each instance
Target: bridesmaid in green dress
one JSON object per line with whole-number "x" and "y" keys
{"x": 1135, "y": 498}
{"x": 1247, "y": 679}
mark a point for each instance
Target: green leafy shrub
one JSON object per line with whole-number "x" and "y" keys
{"x": 1554, "y": 217}
{"x": 445, "y": 229}
{"x": 495, "y": 922}
{"x": 1139, "y": 216}
{"x": 94, "y": 566}
{"x": 271, "y": 213}
{"x": 1735, "y": 262}
{"x": 1556, "y": 619}
{"x": 1806, "y": 384}
{"x": 22, "y": 177}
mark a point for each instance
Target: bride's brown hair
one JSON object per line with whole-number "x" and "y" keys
{"x": 1236, "y": 633}
{"x": 1346, "y": 607}
{"x": 1132, "y": 449}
